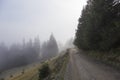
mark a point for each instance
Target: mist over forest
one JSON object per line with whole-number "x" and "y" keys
{"x": 84, "y": 43}
{"x": 24, "y": 19}
{"x": 30, "y": 51}
{"x": 26, "y": 53}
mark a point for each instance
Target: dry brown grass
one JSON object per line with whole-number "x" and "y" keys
{"x": 30, "y": 74}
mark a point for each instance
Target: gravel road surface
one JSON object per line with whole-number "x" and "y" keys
{"x": 81, "y": 67}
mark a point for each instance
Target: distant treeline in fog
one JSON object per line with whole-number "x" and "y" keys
{"x": 28, "y": 52}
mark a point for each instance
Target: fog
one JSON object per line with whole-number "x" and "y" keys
{"x": 26, "y": 53}
{"x": 22, "y": 20}
{"x": 28, "y": 18}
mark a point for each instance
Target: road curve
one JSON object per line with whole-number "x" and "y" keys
{"x": 82, "y": 68}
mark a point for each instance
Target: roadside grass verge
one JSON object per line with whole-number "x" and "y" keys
{"x": 57, "y": 67}
{"x": 111, "y": 58}
{"x": 25, "y": 74}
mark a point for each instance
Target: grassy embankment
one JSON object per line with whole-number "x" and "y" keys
{"x": 25, "y": 74}
{"x": 57, "y": 67}
{"x": 109, "y": 57}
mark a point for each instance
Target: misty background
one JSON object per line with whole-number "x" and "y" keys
{"x": 29, "y": 52}
{"x": 36, "y": 30}
{"x": 28, "y": 18}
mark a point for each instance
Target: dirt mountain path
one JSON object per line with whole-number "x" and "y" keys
{"x": 82, "y": 68}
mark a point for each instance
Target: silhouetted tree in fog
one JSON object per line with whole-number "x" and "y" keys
{"x": 69, "y": 43}
{"x": 49, "y": 48}
{"x": 22, "y": 54}
{"x": 52, "y": 46}
{"x": 19, "y": 55}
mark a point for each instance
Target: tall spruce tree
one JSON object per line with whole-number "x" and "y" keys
{"x": 98, "y": 27}
{"x": 50, "y": 48}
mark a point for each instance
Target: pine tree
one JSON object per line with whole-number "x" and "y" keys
{"x": 97, "y": 29}
{"x": 50, "y": 48}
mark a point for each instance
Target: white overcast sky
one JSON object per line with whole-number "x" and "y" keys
{"x": 28, "y": 18}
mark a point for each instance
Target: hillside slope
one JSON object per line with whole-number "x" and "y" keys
{"x": 29, "y": 72}
{"x": 57, "y": 67}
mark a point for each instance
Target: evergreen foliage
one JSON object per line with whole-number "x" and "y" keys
{"x": 99, "y": 25}
{"x": 19, "y": 54}
{"x": 49, "y": 49}
{"x": 44, "y": 71}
